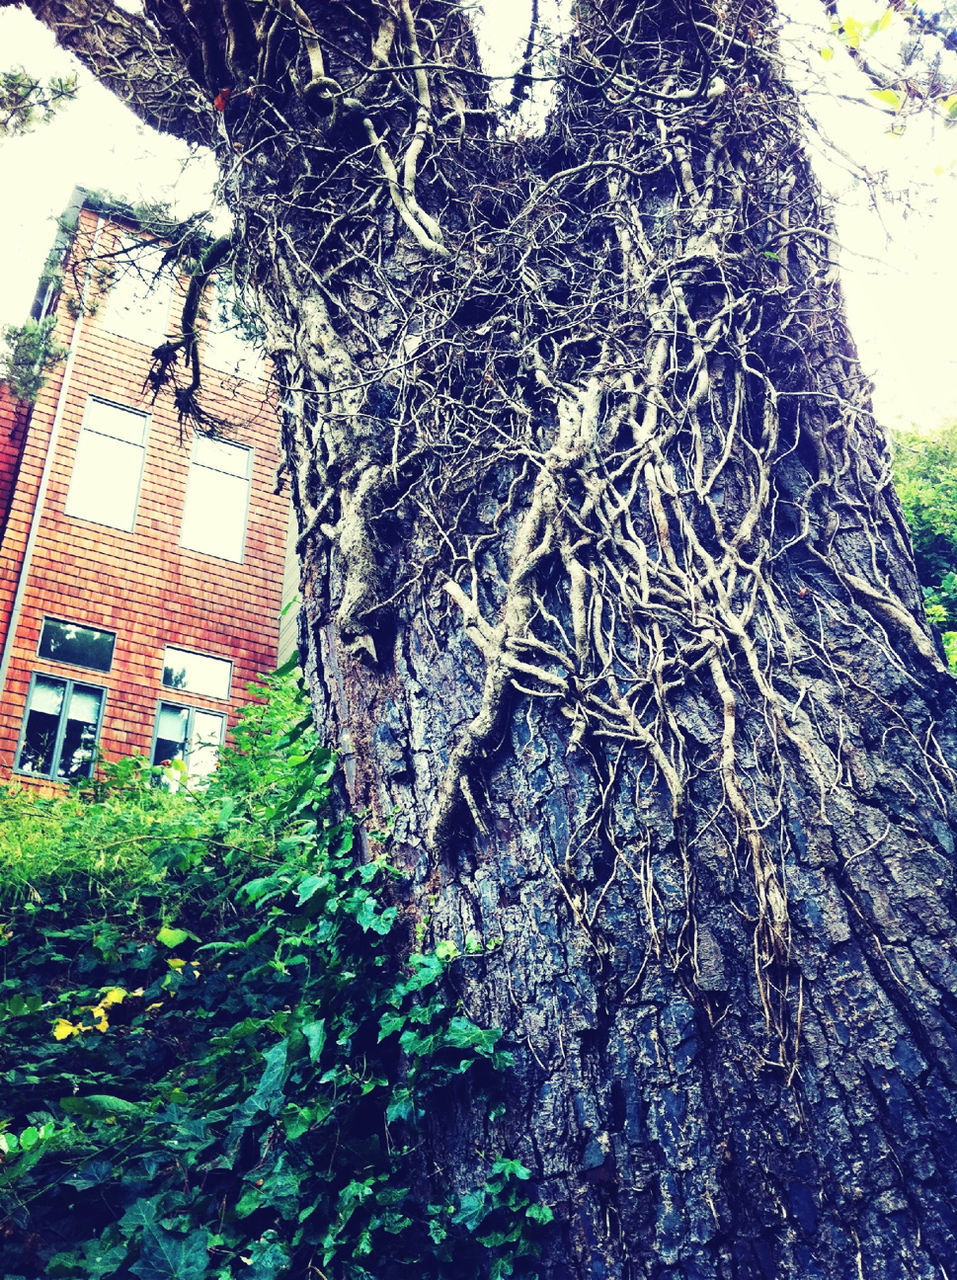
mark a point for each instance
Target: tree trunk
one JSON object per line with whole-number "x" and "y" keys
{"x": 609, "y": 608}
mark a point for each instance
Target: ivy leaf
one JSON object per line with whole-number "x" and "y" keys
{"x": 315, "y": 1033}
{"x": 540, "y": 1213}
{"x": 267, "y": 1260}
{"x": 472, "y": 1209}
{"x": 269, "y": 1092}
{"x": 92, "y": 1174}
{"x": 165, "y": 1256}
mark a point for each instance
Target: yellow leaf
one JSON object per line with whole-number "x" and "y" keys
{"x": 62, "y": 1029}
{"x": 889, "y": 98}
{"x": 175, "y": 963}
{"x": 112, "y": 995}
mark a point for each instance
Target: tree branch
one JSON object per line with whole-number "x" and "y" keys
{"x": 132, "y": 59}
{"x": 937, "y": 25}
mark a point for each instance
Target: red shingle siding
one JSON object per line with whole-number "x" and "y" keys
{"x": 141, "y": 584}
{"x": 13, "y": 423}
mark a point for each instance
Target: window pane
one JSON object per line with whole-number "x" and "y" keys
{"x": 196, "y": 672}
{"x": 204, "y": 743}
{"x": 171, "y": 728}
{"x": 137, "y": 302}
{"x": 42, "y": 724}
{"x": 190, "y": 734}
{"x": 60, "y": 732}
{"x": 47, "y": 695}
{"x": 79, "y": 738}
{"x": 227, "y": 344}
{"x": 214, "y": 515}
{"x": 105, "y": 484}
{"x": 114, "y": 420}
{"x": 81, "y": 646}
{"x": 221, "y": 456}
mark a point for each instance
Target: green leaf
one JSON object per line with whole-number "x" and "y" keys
{"x": 472, "y": 1210}
{"x": 889, "y": 97}
{"x": 29, "y": 1138}
{"x": 268, "y": 1260}
{"x": 401, "y": 1107}
{"x": 852, "y": 31}
{"x": 511, "y": 1168}
{"x": 269, "y": 1092}
{"x": 100, "y": 1104}
{"x": 309, "y": 887}
{"x": 170, "y": 937}
{"x": 390, "y": 1023}
{"x": 315, "y": 1033}
{"x": 540, "y": 1213}
{"x": 168, "y": 1256}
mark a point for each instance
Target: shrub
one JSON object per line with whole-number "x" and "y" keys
{"x": 217, "y": 1057}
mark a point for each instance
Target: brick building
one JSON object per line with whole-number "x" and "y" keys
{"x": 141, "y": 564}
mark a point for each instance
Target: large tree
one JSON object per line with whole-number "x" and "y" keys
{"x": 608, "y": 603}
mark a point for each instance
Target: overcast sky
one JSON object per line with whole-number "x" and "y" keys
{"x": 900, "y": 268}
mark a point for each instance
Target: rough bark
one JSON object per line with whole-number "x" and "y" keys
{"x": 609, "y": 607}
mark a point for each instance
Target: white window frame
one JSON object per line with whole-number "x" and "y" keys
{"x": 203, "y": 692}
{"x": 189, "y": 540}
{"x": 81, "y": 504}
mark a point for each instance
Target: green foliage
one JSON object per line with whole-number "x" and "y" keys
{"x": 30, "y": 354}
{"x": 215, "y": 1060}
{"x": 26, "y": 102}
{"x": 925, "y": 475}
{"x": 152, "y": 216}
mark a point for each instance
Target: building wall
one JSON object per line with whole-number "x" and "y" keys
{"x": 13, "y": 425}
{"x": 141, "y": 584}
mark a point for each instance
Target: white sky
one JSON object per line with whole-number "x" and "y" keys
{"x": 900, "y": 268}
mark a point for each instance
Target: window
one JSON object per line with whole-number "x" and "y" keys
{"x": 108, "y": 468}
{"x": 196, "y": 672}
{"x": 217, "y": 498}
{"x": 78, "y": 645}
{"x": 140, "y": 292}
{"x": 188, "y": 734}
{"x": 60, "y": 729}
{"x": 227, "y": 343}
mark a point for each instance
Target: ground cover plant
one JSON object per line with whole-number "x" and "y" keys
{"x": 216, "y": 1054}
